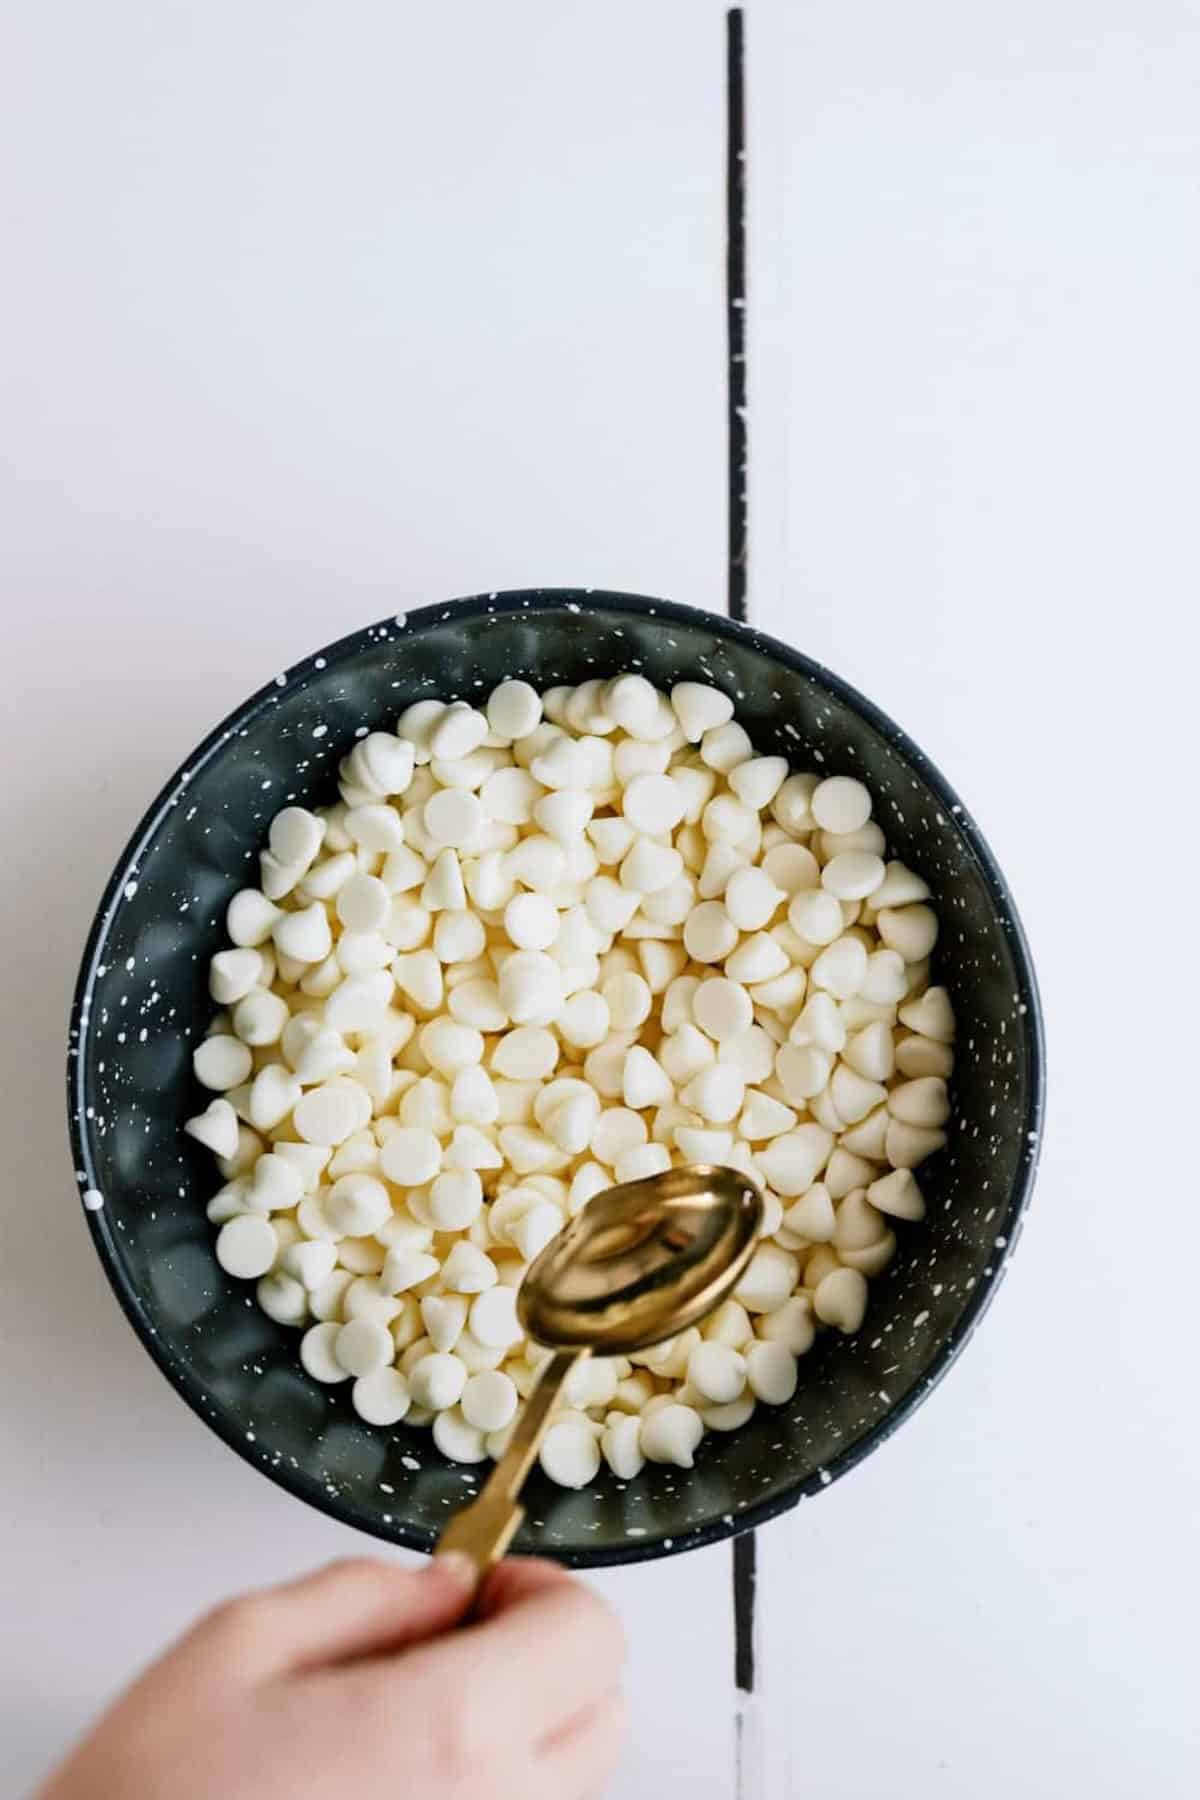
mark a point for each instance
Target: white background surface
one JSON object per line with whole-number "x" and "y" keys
{"x": 314, "y": 314}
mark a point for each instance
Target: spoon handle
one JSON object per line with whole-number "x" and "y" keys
{"x": 485, "y": 1528}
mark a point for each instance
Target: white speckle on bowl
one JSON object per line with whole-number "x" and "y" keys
{"x": 93, "y": 1199}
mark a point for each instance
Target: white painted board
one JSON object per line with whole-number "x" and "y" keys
{"x": 974, "y": 417}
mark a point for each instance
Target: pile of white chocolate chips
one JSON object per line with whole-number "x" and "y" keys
{"x": 539, "y": 947}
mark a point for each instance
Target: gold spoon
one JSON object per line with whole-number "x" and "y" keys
{"x": 638, "y": 1264}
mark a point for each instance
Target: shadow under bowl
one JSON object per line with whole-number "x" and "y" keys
{"x": 142, "y": 1000}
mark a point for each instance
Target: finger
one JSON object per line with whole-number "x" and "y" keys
{"x": 516, "y": 1579}
{"x": 575, "y": 1762}
{"x": 549, "y": 1650}
{"x": 357, "y": 1608}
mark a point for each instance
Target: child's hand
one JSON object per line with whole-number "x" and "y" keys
{"x": 352, "y": 1681}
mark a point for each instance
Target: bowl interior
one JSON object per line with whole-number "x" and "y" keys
{"x": 143, "y": 998}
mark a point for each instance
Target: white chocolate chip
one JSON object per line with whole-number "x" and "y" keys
{"x": 570, "y": 1454}
{"x": 700, "y": 709}
{"x": 792, "y": 1161}
{"x": 437, "y": 1380}
{"x": 717, "y": 1372}
{"x": 840, "y": 1299}
{"x": 923, "y": 1101}
{"x": 317, "y": 1353}
{"x": 897, "y": 1193}
{"x": 468, "y": 1270}
{"x": 381, "y": 1398}
{"x": 790, "y": 1325}
{"x": 770, "y": 1278}
{"x": 494, "y": 1318}
{"x": 757, "y": 780}
{"x": 247, "y": 1246}
{"x": 457, "y": 731}
{"x": 840, "y": 804}
{"x": 221, "y": 1062}
{"x": 671, "y": 1435}
{"x": 363, "y": 1346}
{"x": 621, "y": 1446}
{"x": 912, "y": 930}
{"x": 514, "y": 709}
{"x": 455, "y": 1199}
{"x": 852, "y": 875}
{"x": 771, "y": 1372}
{"x": 716, "y": 1093}
{"x": 404, "y": 1268}
{"x": 489, "y": 1400}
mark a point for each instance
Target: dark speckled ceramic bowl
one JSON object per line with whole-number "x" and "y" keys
{"x": 142, "y": 1000}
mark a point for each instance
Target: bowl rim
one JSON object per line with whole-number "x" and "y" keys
{"x": 397, "y": 629}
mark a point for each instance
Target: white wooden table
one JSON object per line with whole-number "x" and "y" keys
{"x": 315, "y": 313}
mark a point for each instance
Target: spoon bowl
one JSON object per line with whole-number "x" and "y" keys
{"x": 642, "y": 1261}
